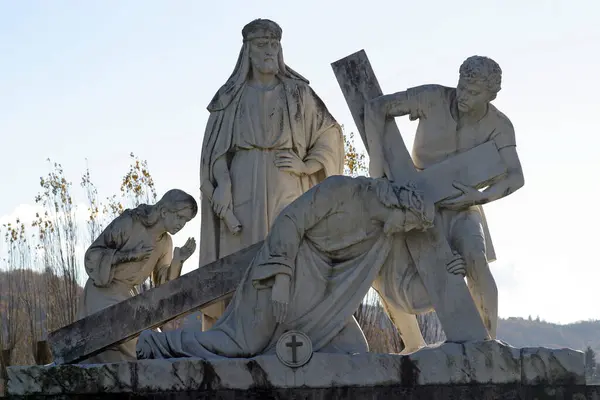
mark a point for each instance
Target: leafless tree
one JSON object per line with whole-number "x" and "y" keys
{"x": 58, "y": 235}
{"x": 10, "y": 316}
{"x": 32, "y": 299}
{"x": 431, "y": 328}
{"x": 137, "y": 187}
{"x": 95, "y": 221}
{"x": 381, "y": 334}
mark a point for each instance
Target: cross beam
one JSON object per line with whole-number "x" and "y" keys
{"x": 150, "y": 309}
{"x": 430, "y": 250}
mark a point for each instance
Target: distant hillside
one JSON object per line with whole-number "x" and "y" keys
{"x": 517, "y": 332}
{"x": 521, "y": 332}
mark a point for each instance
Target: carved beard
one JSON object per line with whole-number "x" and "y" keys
{"x": 265, "y": 66}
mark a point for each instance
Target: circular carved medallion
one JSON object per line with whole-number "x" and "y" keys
{"x": 294, "y": 349}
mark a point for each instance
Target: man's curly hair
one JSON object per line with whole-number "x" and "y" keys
{"x": 479, "y": 69}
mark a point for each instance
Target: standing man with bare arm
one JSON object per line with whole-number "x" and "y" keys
{"x": 451, "y": 121}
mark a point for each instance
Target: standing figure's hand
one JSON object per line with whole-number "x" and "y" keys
{"x": 280, "y": 297}
{"x": 221, "y": 200}
{"x": 289, "y": 161}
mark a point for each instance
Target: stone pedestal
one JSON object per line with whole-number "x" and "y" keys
{"x": 473, "y": 370}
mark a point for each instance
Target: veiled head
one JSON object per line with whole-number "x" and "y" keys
{"x": 479, "y": 82}
{"x": 264, "y": 39}
{"x": 261, "y": 51}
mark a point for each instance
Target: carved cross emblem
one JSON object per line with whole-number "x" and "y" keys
{"x": 294, "y": 349}
{"x": 294, "y": 346}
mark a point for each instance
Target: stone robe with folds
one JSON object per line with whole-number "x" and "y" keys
{"x": 248, "y": 126}
{"x": 249, "y": 132}
{"x": 111, "y": 283}
{"x": 333, "y": 249}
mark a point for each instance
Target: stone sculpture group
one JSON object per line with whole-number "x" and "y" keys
{"x": 271, "y": 169}
{"x": 289, "y": 247}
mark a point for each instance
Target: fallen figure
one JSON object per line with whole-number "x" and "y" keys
{"x": 323, "y": 254}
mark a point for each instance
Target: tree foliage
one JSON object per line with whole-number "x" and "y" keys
{"x": 137, "y": 186}
{"x": 355, "y": 161}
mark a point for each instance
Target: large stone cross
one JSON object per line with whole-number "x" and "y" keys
{"x": 430, "y": 250}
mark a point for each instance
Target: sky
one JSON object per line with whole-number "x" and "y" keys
{"x": 86, "y": 83}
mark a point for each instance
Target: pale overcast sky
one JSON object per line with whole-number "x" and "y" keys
{"x": 97, "y": 80}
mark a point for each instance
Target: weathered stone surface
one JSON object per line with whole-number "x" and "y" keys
{"x": 71, "y": 379}
{"x": 542, "y": 365}
{"x": 428, "y": 392}
{"x": 125, "y": 320}
{"x": 482, "y": 363}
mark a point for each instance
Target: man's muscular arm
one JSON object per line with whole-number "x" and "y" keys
{"x": 413, "y": 102}
{"x": 380, "y": 109}
{"x": 513, "y": 181}
{"x": 391, "y": 105}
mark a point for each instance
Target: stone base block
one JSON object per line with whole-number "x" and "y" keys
{"x": 488, "y": 368}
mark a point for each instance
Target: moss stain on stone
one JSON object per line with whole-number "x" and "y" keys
{"x": 409, "y": 372}
{"x": 260, "y": 377}
{"x": 210, "y": 379}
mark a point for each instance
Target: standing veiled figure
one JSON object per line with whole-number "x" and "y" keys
{"x": 269, "y": 138}
{"x": 134, "y": 246}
